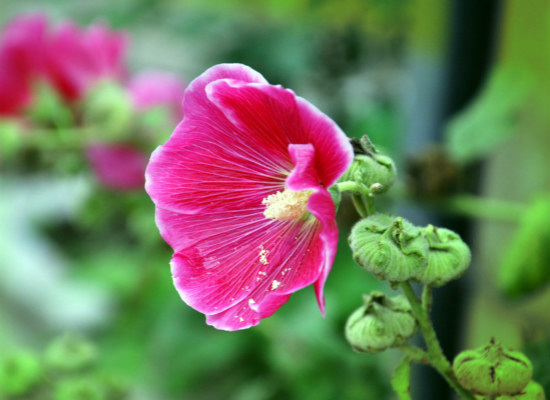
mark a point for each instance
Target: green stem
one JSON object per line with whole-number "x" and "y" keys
{"x": 350, "y": 186}
{"x": 435, "y": 353}
{"x": 415, "y": 353}
{"x": 361, "y": 196}
{"x": 359, "y": 205}
{"x": 369, "y": 203}
{"x": 427, "y": 299}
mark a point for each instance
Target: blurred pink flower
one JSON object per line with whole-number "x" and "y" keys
{"x": 241, "y": 195}
{"x": 75, "y": 59}
{"x": 154, "y": 88}
{"x": 117, "y": 166}
{"x": 21, "y": 46}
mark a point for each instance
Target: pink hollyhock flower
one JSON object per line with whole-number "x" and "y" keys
{"x": 120, "y": 167}
{"x": 153, "y": 89}
{"x": 241, "y": 195}
{"x": 76, "y": 59}
{"x": 20, "y": 61}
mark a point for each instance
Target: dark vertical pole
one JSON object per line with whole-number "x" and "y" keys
{"x": 473, "y": 40}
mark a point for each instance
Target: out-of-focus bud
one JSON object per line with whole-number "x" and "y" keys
{"x": 108, "y": 107}
{"x": 118, "y": 166}
{"x": 370, "y": 168}
{"x": 48, "y": 108}
{"x": 19, "y": 373}
{"x": 390, "y": 248}
{"x": 448, "y": 259}
{"x": 79, "y": 389}
{"x": 533, "y": 391}
{"x": 381, "y": 322}
{"x": 70, "y": 352}
{"x": 524, "y": 266}
{"x": 10, "y": 138}
{"x": 493, "y": 370}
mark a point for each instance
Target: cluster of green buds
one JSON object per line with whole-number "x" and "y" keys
{"x": 380, "y": 323}
{"x": 393, "y": 249}
{"x": 496, "y": 372}
{"x": 67, "y": 371}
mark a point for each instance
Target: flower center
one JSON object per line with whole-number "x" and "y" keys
{"x": 286, "y": 205}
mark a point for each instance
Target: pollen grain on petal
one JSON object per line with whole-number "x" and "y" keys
{"x": 263, "y": 255}
{"x": 275, "y": 284}
{"x": 286, "y": 205}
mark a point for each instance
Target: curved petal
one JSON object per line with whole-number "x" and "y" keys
{"x": 217, "y": 269}
{"x": 242, "y": 141}
{"x": 320, "y": 204}
{"x": 246, "y": 314}
{"x": 334, "y": 150}
{"x": 208, "y": 176}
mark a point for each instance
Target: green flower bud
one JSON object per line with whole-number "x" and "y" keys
{"x": 381, "y": 322}
{"x": 390, "y": 248}
{"x": 70, "y": 352}
{"x": 108, "y": 107}
{"x": 448, "y": 259}
{"x": 533, "y": 391}
{"x": 78, "y": 389}
{"x": 370, "y": 168}
{"x": 493, "y": 370}
{"x": 19, "y": 373}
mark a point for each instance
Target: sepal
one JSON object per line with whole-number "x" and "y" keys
{"x": 493, "y": 370}
{"x": 391, "y": 248}
{"x": 380, "y": 323}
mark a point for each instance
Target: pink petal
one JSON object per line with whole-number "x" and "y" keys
{"x": 243, "y": 315}
{"x": 320, "y": 204}
{"x": 20, "y": 61}
{"x": 155, "y": 88}
{"x": 109, "y": 48}
{"x": 230, "y": 258}
{"x": 119, "y": 167}
{"x": 76, "y": 59}
{"x": 240, "y": 141}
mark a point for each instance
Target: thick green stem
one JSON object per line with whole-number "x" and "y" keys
{"x": 368, "y": 200}
{"x": 359, "y": 205}
{"x": 361, "y": 196}
{"x": 435, "y": 353}
{"x": 427, "y": 298}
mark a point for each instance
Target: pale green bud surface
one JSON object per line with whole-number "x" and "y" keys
{"x": 370, "y": 168}
{"x": 533, "y": 391}
{"x": 70, "y": 352}
{"x": 381, "y": 322}
{"x": 19, "y": 374}
{"x": 493, "y": 370}
{"x": 448, "y": 259}
{"x": 391, "y": 248}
